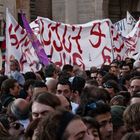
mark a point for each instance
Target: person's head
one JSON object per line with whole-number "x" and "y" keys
{"x": 125, "y": 69}
{"x": 50, "y": 71}
{"x": 112, "y": 87}
{"x": 68, "y": 68}
{"x": 136, "y": 65}
{"x": 7, "y": 128}
{"x": 100, "y": 75}
{"x": 64, "y": 88}
{"x": 28, "y": 88}
{"x": 134, "y": 85}
{"x": 117, "y": 119}
{"x": 62, "y": 125}
{"x": 92, "y": 126}
{"x": 91, "y": 82}
{"x": 114, "y": 70}
{"x": 19, "y": 108}
{"x": 132, "y": 136}
{"x": 65, "y": 102}
{"x": 135, "y": 98}
{"x": 118, "y": 100}
{"x": 101, "y": 112}
{"x": 29, "y": 75}
{"x": 38, "y": 87}
{"x": 126, "y": 96}
{"x": 14, "y": 65}
{"x": 77, "y": 84}
{"x": 94, "y": 93}
{"x": 43, "y": 103}
{"x": 51, "y": 83}
{"x": 93, "y": 72}
{"x": 131, "y": 117}
{"x": 10, "y": 86}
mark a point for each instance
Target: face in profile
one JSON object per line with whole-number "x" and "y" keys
{"x": 81, "y": 133}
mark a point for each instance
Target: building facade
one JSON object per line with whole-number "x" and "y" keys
{"x": 70, "y": 11}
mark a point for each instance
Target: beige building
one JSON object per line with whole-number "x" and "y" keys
{"x": 70, "y": 11}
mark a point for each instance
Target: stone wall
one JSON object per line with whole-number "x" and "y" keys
{"x": 79, "y": 11}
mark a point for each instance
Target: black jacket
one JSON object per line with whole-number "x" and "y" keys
{"x": 6, "y": 99}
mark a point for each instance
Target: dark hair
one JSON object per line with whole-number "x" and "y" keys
{"x": 87, "y": 94}
{"x": 93, "y": 108}
{"x": 91, "y": 122}
{"x": 38, "y": 83}
{"x": 49, "y": 70}
{"x": 78, "y": 84}
{"x": 28, "y": 83}
{"x": 126, "y": 96}
{"x": 134, "y": 78}
{"x": 131, "y": 116}
{"x": 52, "y": 127}
{"x": 109, "y": 76}
{"x": 112, "y": 84}
{"x": 7, "y": 84}
{"x": 4, "y": 120}
{"x": 47, "y": 99}
{"x": 136, "y": 95}
{"x": 67, "y": 67}
{"x": 16, "y": 63}
{"x": 132, "y": 136}
{"x": 3, "y": 78}
{"x": 31, "y": 128}
{"x": 29, "y": 75}
{"x": 92, "y": 82}
{"x": 94, "y": 93}
{"x": 65, "y": 82}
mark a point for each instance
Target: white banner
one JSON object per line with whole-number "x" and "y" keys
{"x": 132, "y": 41}
{"x": 85, "y": 45}
{"x": 18, "y": 46}
{"x": 121, "y": 27}
{"x": 131, "y": 22}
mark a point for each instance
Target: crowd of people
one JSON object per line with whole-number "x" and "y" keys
{"x": 69, "y": 103}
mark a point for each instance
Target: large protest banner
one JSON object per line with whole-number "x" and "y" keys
{"x": 19, "y": 46}
{"x": 132, "y": 42}
{"x": 86, "y": 45}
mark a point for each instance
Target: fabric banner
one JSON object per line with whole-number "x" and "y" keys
{"x": 18, "y": 46}
{"x": 91, "y": 44}
{"x": 131, "y": 22}
{"x": 132, "y": 42}
{"x": 121, "y": 27}
{"x": 85, "y": 45}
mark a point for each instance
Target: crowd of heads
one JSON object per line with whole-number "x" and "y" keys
{"x": 70, "y": 103}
